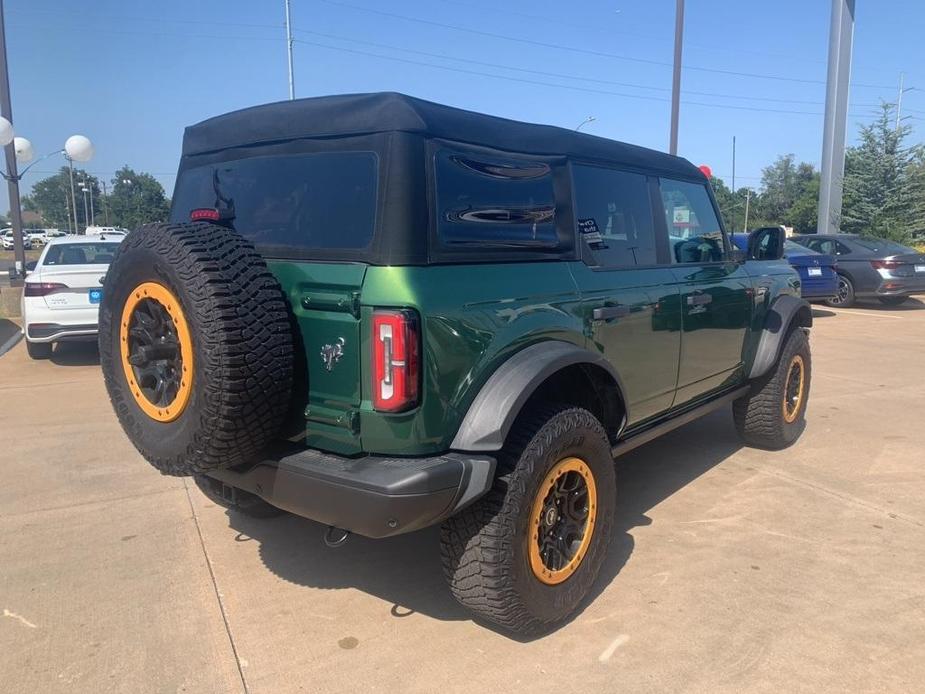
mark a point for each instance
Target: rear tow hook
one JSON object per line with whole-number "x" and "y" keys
{"x": 335, "y": 537}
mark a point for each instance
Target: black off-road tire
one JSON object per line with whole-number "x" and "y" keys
{"x": 241, "y": 340}
{"x": 845, "y": 297}
{"x": 484, "y": 548}
{"x": 39, "y": 350}
{"x": 759, "y": 416}
{"x": 892, "y": 300}
{"x": 236, "y": 500}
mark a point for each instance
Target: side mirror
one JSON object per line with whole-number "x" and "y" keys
{"x": 30, "y": 266}
{"x": 766, "y": 243}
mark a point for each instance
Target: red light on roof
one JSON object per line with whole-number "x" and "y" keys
{"x": 706, "y": 171}
{"x": 204, "y": 213}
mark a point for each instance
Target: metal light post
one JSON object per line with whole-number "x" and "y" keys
{"x": 12, "y": 178}
{"x": 841, "y": 37}
{"x": 83, "y": 194}
{"x": 676, "y": 76}
{"x": 289, "y": 53}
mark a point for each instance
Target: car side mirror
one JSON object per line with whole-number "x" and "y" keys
{"x": 30, "y": 266}
{"x": 766, "y": 243}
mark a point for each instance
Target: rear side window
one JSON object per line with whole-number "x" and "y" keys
{"x": 694, "y": 231}
{"x": 614, "y": 216}
{"x": 494, "y": 203}
{"x": 286, "y": 205}
{"x": 80, "y": 254}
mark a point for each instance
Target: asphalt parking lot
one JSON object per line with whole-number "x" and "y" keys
{"x": 731, "y": 569}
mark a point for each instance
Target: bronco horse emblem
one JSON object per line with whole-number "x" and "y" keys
{"x": 331, "y": 354}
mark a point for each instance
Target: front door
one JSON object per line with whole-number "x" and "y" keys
{"x": 630, "y": 301}
{"x": 716, "y": 293}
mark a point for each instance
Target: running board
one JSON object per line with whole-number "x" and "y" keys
{"x": 678, "y": 420}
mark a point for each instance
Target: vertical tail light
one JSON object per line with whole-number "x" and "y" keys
{"x": 396, "y": 360}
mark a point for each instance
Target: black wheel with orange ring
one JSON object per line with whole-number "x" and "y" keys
{"x": 526, "y": 555}
{"x": 196, "y": 347}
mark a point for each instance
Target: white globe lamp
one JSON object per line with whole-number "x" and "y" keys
{"x": 24, "y": 151}
{"x": 6, "y": 132}
{"x": 79, "y": 148}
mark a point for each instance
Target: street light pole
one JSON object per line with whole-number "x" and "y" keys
{"x": 676, "y": 76}
{"x": 289, "y": 53}
{"x": 12, "y": 178}
{"x": 70, "y": 163}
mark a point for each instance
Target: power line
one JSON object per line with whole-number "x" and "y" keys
{"x": 550, "y": 84}
{"x": 586, "y": 51}
{"x": 552, "y": 74}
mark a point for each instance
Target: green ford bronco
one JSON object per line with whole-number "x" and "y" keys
{"x": 384, "y": 314}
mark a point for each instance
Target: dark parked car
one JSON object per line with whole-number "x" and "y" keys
{"x": 818, "y": 277}
{"x": 870, "y": 267}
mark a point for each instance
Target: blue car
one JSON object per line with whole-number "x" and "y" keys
{"x": 818, "y": 278}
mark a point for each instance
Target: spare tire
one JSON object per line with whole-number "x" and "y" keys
{"x": 196, "y": 347}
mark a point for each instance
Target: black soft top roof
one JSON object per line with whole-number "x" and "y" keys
{"x": 360, "y": 114}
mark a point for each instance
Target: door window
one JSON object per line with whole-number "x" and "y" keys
{"x": 614, "y": 216}
{"x": 694, "y": 231}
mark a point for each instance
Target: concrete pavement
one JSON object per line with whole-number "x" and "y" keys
{"x": 730, "y": 570}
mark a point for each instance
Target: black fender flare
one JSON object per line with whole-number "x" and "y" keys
{"x": 781, "y": 315}
{"x": 493, "y": 411}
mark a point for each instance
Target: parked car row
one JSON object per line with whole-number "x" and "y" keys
{"x": 37, "y": 238}
{"x": 838, "y": 269}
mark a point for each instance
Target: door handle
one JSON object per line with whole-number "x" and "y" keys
{"x": 699, "y": 299}
{"x": 608, "y": 312}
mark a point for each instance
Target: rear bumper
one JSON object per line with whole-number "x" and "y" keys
{"x": 50, "y": 332}
{"x": 44, "y": 324}
{"x": 901, "y": 286}
{"x": 372, "y": 496}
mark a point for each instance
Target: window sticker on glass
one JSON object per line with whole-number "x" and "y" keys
{"x": 591, "y": 233}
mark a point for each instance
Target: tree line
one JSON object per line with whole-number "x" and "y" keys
{"x": 128, "y": 200}
{"x": 884, "y": 188}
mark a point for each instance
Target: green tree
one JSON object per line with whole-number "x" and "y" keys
{"x": 884, "y": 183}
{"x": 136, "y": 199}
{"x": 51, "y": 198}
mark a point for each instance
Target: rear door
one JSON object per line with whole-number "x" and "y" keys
{"x": 79, "y": 268}
{"x": 716, "y": 292}
{"x": 629, "y": 299}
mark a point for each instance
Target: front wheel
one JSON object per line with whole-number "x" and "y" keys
{"x": 844, "y": 294}
{"x": 773, "y": 414}
{"x": 527, "y": 554}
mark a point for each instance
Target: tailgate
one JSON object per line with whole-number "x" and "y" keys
{"x": 82, "y": 285}
{"x": 325, "y": 298}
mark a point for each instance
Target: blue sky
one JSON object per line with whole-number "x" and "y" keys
{"x": 131, "y": 75}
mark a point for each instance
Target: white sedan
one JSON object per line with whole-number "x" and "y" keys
{"x": 62, "y": 294}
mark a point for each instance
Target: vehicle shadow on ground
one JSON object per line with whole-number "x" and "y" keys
{"x": 76, "y": 354}
{"x": 822, "y": 313}
{"x": 405, "y": 571}
{"x": 910, "y": 304}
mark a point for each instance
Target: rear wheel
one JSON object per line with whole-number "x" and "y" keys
{"x": 892, "y": 300}
{"x": 844, "y": 294}
{"x": 773, "y": 414}
{"x": 526, "y": 554}
{"x": 195, "y": 346}
{"x": 39, "y": 350}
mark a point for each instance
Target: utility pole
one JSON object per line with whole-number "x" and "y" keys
{"x": 841, "y": 37}
{"x": 289, "y": 53}
{"x": 676, "y": 76}
{"x": 105, "y": 202}
{"x": 734, "y": 197}
{"x": 12, "y": 177}
{"x": 899, "y": 99}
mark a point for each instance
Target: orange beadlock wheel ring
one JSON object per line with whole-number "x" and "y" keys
{"x": 157, "y": 351}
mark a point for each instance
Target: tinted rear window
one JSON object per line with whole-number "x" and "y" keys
{"x": 883, "y": 246}
{"x": 495, "y": 202}
{"x": 287, "y": 205}
{"x": 80, "y": 254}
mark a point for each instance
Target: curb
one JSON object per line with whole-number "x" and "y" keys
{"x": 10, "y": 344}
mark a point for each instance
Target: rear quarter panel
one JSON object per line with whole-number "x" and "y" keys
{"x": 473, "y": 318}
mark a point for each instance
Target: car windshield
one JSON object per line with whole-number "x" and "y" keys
{"x": 872, "y": 243}
{"x": 80, "y": 254}
{"x": 793, "y": 248}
